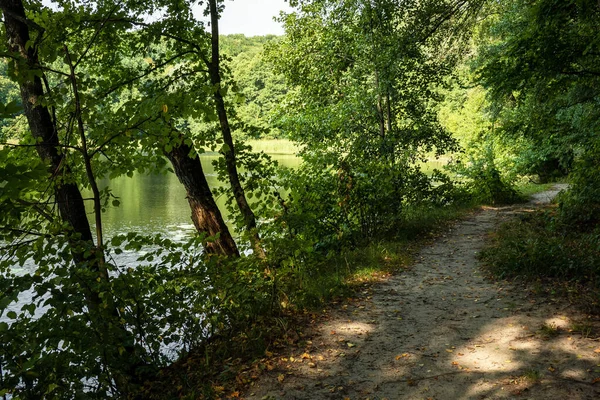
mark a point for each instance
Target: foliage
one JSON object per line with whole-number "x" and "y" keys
{"x": 483, "y": 178}
{"x": 262, "y": 89}
{"x": 119, "y": 92}
{"x": 357, "y": 85}
{"x": 540, "y": 246}
{"x": 538, "y": 61}
{"x": 579, "y": 206}
{"x": 363, "y": 106}
{"x": 170, "y": 302}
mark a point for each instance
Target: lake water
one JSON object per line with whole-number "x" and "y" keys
{"x": 158, "y": 204}
{"x": 150, "y": 204}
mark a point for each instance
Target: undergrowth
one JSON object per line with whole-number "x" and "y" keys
{"x": 539, "y": 247}
{"x": 227, "y": 364}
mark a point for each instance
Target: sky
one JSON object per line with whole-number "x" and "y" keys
{"x": 252, "y": 17}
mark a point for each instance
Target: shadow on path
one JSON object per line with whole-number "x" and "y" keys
{"x": 442, "y": 331}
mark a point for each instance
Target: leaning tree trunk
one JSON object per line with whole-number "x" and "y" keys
{"x": 205, "y": 214}
{"x": 229, "y": 150}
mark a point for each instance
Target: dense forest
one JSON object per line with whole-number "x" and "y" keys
{"x": 507, "y": 91}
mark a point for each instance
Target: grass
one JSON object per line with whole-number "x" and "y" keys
{"x": 555, "y": 258}
{"x": 528, "y": 188}
{"x": 350, "y": 270}
{"x": 549, "y": 331}
{"x": 532, "y": 376}
{"x": 585, "y": 329}
{"x": 231, "y": 363}
{"x": 228, "y": 365}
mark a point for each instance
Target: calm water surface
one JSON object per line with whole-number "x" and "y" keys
{"x": 158, "y": 204}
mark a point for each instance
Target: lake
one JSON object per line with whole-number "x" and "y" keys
{"x": 158, "y": 204}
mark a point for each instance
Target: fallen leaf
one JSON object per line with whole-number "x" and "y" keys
{"x": 218, "y": 389}
{"x": 350, "y": 344}
{"x": 305, "y": 355}
{"x": 280, "y": 378}
{"x": 449, "y": 350}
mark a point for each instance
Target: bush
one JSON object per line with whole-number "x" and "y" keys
{"x": 580, "y": 205}
{"x": 59, "y": 344}
{"x": 484, "y": 179}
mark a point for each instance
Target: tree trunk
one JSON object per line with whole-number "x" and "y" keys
{"x": 380, "y": 114}
{"x": 229, "y": 150}
{"x": 205, "y": 213}
{"x": 67, "y": 195}
{"x": 388, "y": 112}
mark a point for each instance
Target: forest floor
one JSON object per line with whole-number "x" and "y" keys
{"x": 442, "y": 329}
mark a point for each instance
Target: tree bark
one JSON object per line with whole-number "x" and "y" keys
{"x": 205, "y": 213}
{"x": 229, "y": 150}
{"x": 380, "y": 114}
{"x": 67, "y": 194}
{"x": 388, "y": 111}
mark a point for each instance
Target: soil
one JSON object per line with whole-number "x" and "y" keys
{"x": 443, "y": 330}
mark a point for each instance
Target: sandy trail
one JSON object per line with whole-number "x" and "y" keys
{"x": 441, "y": 330}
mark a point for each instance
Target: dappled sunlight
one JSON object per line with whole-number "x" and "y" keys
{"x": 479, "y": 388}
{"x": 559, "y": 322}
{"x": 489, "y": 351}
{"x": 349, "y": 327}
{"x": 441, "y": 330}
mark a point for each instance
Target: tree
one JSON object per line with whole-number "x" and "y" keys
{"x": 539, "y": 62}
{"x": 75, "y": 227}
{"x": 229, "y": 147}
{"x": 104, "y": 94}
{"x": 262, "y": 89}
{"x": 366, "y": 77}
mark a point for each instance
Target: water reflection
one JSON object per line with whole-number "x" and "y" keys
{"x": 157, "y": 203}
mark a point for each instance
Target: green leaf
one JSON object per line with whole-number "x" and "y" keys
{"x": 4, "y": 302}
{"x": 51, "y": 388}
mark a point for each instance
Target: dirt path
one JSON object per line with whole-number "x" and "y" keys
{"x": 443, "y": 331}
